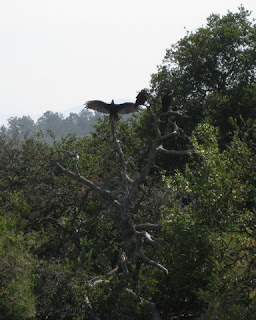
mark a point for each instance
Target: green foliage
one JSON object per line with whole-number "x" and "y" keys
{"x": 187, "y": 255}
{"x": 219, "y": 56}
{"x": 231, "y": 290}
{"x": 115, "y": 299}
{"x": 211, "y": 72}
{"x": 225, "y": 178}
{"x": 61, "y": 292}
{"x": 17, "y": 299}
{"x": 215, "y": 203}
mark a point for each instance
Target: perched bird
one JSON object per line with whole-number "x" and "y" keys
{"x": 166, "y": 100}
{"x": 141, "y": 98}
{"x": 115, "y": 109}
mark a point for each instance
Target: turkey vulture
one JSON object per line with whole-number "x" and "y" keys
{"x": 141, "y": 98}
{"x": 114, "y": 109}
{"x": 111, "y": 108}
{"x": 166, "y": 101}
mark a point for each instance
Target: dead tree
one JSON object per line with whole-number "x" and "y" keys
{"x": 131, "y": 232}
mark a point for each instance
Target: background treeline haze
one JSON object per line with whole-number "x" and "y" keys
{"x": 79, "y": 124}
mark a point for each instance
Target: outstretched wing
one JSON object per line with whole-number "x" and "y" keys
{"x": 127, "y": 107}
{"x": 98, "y": 105}
{"x": 123, "y": 108}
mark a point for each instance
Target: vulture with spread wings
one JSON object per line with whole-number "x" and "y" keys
{"x": 114, "y": 109}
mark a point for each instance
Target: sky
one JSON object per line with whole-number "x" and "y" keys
{"x": 57, "y": 54}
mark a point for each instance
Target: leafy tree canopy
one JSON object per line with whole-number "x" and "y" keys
{"x": 211, "y": 71}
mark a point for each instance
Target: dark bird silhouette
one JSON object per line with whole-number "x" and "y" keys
{"x": 166, "y": 100}
{"x": 141, "y": 98}
{"x": 111, "y": 108}
{"x": 115, "y": 109}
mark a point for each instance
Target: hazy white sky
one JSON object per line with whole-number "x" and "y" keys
{"x": 56, "y": 54}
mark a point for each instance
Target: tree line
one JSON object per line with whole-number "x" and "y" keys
{"x": 80, "y": 124}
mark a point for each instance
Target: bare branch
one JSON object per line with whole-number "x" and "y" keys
{"x": 80, "y": 178}
{"x": 161, "y": 149}
{"x": 75, "y": 165}
{"x": 146, "y": 235}
{"x": 123, "y": 262}
{"x": 150, "y": 162}
{"x": 147, "y": 304}
{"x": 139, "y": 254}
{"x": 120, "y": 151}
{"x": 112, "y": 272}
{"x": 169, "y": 135}
{"x": 177, "y": 113}
{"x": 155, "y": 148}
{"x": 156, "y": 126}
{"x": 75, "y": 157}
{"x": 58, "y": 222}
{"x": 152, "y": 262}
{"x": 70, "y": 154}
